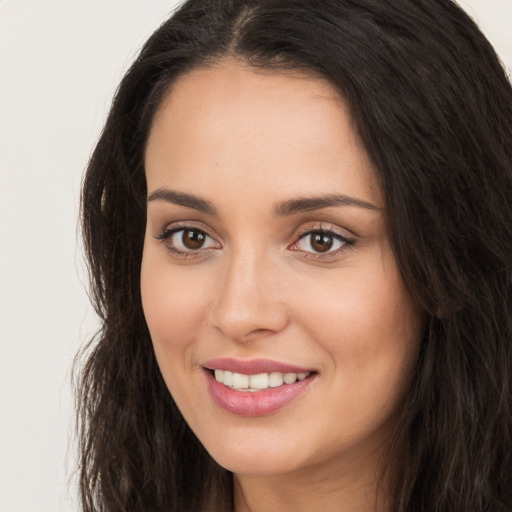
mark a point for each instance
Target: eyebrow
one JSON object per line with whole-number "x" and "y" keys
{"x": 282, "y": 209}
{"x": 182, "y": 199}
{"x": 309, "y": 204}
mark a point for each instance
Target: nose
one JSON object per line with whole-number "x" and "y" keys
{"x": 250, "y": 301}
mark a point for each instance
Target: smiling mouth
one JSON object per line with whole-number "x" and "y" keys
{"x": 257, "y": 382}
{"x": 257, "y": 387}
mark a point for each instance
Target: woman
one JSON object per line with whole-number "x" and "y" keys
{"x": 299, "y": 232}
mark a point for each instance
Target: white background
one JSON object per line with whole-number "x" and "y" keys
{"x": 60, "y": 62}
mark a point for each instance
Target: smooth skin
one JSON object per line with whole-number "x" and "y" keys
{"x": 236, "y": 147}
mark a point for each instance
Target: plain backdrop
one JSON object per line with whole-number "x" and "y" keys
{"x": 60, "y": 62}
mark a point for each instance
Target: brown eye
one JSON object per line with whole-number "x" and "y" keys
{"x": 193, "y": 239}
{"x": 187, "y": 240}
{"x": 321, "y": 242}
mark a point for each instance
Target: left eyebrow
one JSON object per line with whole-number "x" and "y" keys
{"x": 182, "y": 199}
{"x": 309, "y": 204}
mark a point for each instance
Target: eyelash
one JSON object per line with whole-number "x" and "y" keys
{"x": 346, "y": 241}
{"x": 168, "y": 233}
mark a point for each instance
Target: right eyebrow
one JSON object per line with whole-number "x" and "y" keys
{"x": 310, "y": 204}
{"x": 182, "y": 199}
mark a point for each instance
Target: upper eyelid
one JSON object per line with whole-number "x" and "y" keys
{"x": 325, "y": 227}
{"x": 321, "y": 230}
{"x": 176, "y": 226}
{"x": 167, "y": 231}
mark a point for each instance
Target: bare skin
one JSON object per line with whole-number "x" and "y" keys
{"x": 240, "y": 263}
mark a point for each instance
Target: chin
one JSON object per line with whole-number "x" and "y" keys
{"x": 255, "y": 465}
{"x": 253, "y": 459}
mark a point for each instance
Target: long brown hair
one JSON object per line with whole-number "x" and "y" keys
{"x": 433, "y": 107}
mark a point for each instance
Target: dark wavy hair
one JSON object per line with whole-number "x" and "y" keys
{"x": 433, "y": 107}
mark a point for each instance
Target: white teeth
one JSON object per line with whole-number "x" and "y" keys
{"x": 275, "y": 379}
{"x": 240, "y": 381}
{"x": 257, "y": 382}
{"x": 228, "y": 378}
{"x": 290, "y": 378}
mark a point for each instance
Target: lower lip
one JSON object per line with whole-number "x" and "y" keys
{"x": 255, "y": 403}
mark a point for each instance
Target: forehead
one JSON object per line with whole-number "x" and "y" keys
{"x": 232, "y": 123}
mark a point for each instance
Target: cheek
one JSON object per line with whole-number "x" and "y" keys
{"x": 365, "y": 321}
{"x": 173, "y": 300}
{"x": 371, "y": 336}
{"x": 174, "y": 308}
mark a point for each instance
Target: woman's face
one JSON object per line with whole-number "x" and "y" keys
{"x": 267, "y": 255}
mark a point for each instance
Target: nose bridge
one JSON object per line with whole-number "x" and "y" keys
{"x": 248, "y": 298}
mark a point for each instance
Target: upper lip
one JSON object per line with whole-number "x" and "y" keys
{"x": 252, "y": 367}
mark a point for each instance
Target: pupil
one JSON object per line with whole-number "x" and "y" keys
{"x": 322, "y": 242}
{"x": 193, "y": 239}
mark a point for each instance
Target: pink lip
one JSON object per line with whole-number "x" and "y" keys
{"x": 257, "y": 403}
{"x": 252, "y": 367}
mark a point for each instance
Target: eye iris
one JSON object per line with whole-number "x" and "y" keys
{"x": 193, "y": 239}
{"x": 321, "y": 242}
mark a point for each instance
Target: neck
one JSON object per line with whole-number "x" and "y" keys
{"x": 326, "y": 489}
